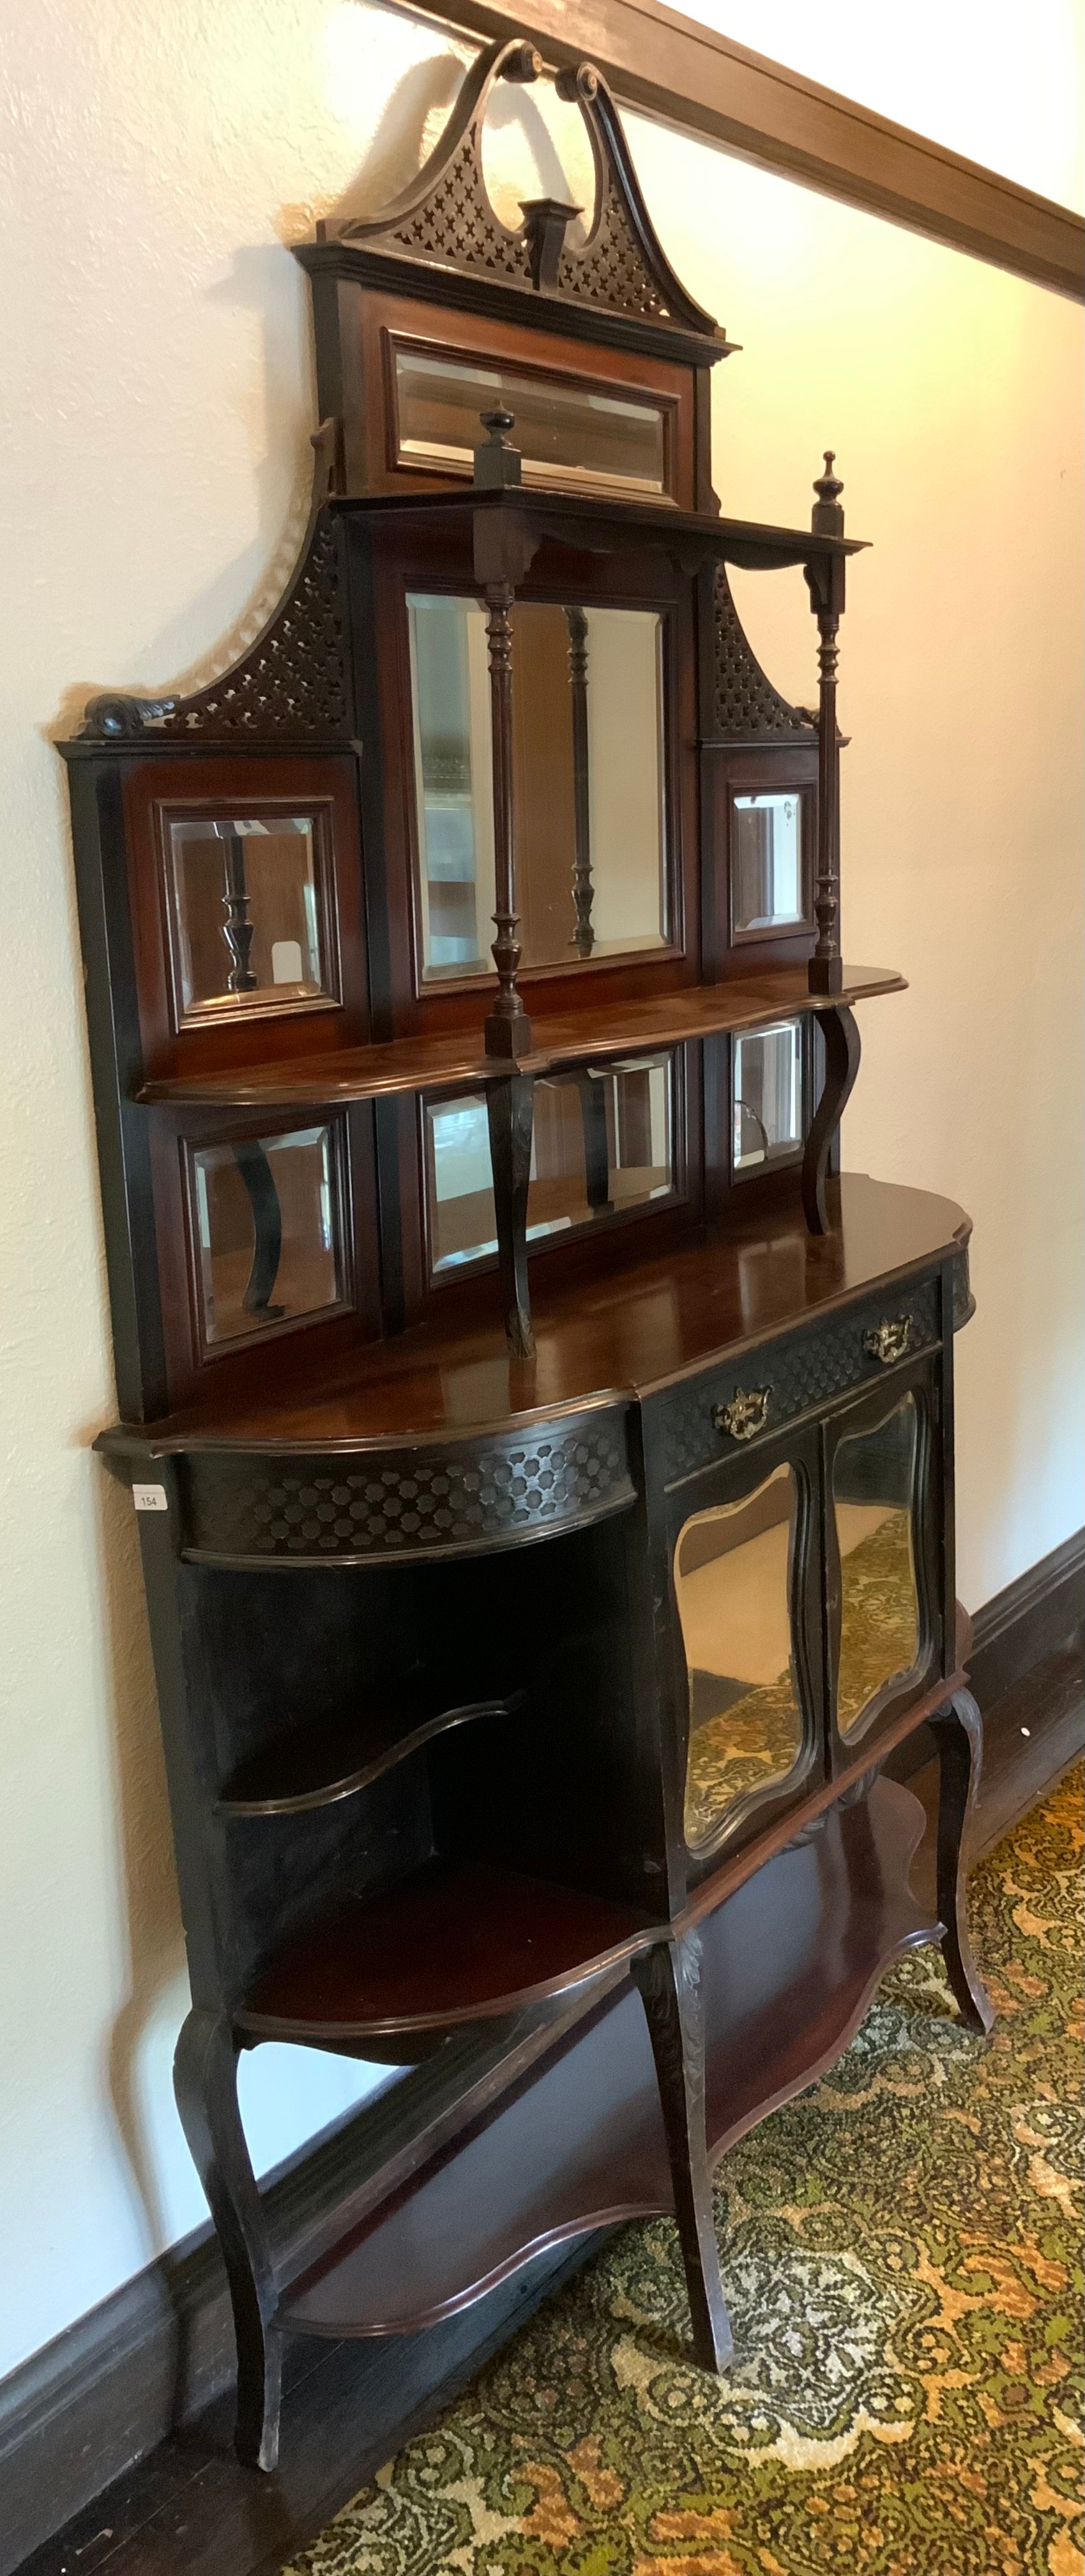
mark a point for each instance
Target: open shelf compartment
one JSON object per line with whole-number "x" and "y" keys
{"x": 792, "y": 1959}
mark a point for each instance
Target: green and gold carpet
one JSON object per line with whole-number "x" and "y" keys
{"x": 901, "y": 2253}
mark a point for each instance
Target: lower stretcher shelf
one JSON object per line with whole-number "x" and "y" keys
{"x": 791, "y": 1961}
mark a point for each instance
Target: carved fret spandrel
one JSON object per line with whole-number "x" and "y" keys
{"x": 314, "y": 1510}
{"x": 747, "y": 707}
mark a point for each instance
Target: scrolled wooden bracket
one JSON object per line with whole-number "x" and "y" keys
{"x": 842, "y": 1051}
{"x": 510, "y": 1108}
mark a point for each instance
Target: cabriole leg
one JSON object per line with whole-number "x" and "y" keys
{"x": 205, "y": 2084}
{"x": 958, "y": 1732}
{"x": 669, "y": 1978}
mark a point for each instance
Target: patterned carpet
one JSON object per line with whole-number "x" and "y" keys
{"x": 901, "y": 2253}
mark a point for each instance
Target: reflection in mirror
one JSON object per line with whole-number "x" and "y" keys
{"x": 732, "y": 1580}
{"x": 267, "y": 1231}
{"x": 873, "y": 1487}
{"x": 766, "y": 1102}
{"x": 602, "y": 1141}
{"x": 245, "y": 913}
{"x": 566, "y": 434}
{"x": 588, "y": 783}
{"x": 766, "y": 862}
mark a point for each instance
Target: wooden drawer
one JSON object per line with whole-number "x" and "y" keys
{"x": 799, "y": 1374}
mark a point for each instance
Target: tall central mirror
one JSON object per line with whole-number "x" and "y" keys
{"x": 589, "y": 783}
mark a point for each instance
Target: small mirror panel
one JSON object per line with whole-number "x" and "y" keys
{"x": 588, "y": 783}
{"x": 873, "y": 1490}
{"x": 246, "y": 903}
{"x": 267, "y": 1231}
{"x": 766, "y": 1096}
{"x": 602, "y": 1141}
{"x": 568, "y": 434}
{"x": 732, "y": 1581}
{"x": 767, "y": 890}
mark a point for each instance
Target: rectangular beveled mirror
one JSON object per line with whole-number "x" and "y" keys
{"x": 603, "y": 1141}
{"x": 766, "y": 1096}
{"x": 251, "y": 927}
{"x": 568, "y": 432}
{"x": 768, "y": 862}
{"x": 589, "y": 783}
{"x": 268, "y": 1240}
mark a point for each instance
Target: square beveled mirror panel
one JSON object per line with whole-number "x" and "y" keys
{"x": 267, "y": 1229}
{"x": 768, "y": 863}
{"x": 873, "y": 1493}
{"x": 568, "y": 434}
{"x": 732, "y": 1581}
{"x": 766, "y": 1096}
{"x": 589, "y": 778}
{"x": 602, "y": 1142}
{"x": 247, "y": 897}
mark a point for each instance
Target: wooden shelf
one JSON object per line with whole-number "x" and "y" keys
{"x": 455, "y": 1059}
{"x": 791, "y": 1962}
{"x": 316, "y": 1766}
{"x": 458, "y": 1941}
{"x": 577, "y": 518}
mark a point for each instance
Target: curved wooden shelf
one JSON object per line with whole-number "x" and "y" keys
{"x": 791, "y": 1962}
{"x": 458, "y": 1941}
{"x": 316, "y": 1766}
{"x": 455, "y": 1059}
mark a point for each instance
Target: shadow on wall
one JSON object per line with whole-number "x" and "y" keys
{"x": 155, "y": 1938}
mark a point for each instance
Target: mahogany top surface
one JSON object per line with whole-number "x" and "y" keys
{"x": 608, "y": 1339}
{"x": 453, "y": 1058}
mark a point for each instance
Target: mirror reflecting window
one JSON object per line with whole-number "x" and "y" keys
{"x": 766, "y": 862}
{"x": 602, "y": 1141}
{"x": 766, "y": 1097}
{"x": 588, "y": 783}
{"x": 732, "y": 1580}
{"x": 567, "y": 433}
{"x": 267, "y": 1228}
{"x": 246, "y": 913}
{"x": 873, "y": 1489}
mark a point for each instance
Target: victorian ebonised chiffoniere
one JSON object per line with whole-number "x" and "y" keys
{"x": 543, "y": 1456}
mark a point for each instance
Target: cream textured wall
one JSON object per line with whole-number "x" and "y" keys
{"x": 155, "y": 450}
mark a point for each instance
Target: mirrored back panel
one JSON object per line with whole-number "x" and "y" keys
{"x": 589, "y": 784}
{"x": 603, "y": 1142}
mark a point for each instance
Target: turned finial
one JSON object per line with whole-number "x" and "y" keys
{"x": 496, "y": 463}
{"x": 827, "y": 517}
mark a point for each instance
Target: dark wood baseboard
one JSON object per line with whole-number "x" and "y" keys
{"x": 124, "y": 2385}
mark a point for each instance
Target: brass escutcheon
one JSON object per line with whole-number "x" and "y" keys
{"x": 745, "y": 1415}
{"x": 889, "y": 1340}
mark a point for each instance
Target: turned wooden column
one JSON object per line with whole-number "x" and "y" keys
{"x": 825, "y": 581}
{"x": 576, "y": 620}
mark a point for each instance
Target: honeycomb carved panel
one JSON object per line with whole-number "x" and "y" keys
{"x": 801, "y": 1371}
{"x": 964, "y": 1303}
{"x": 406, "y": 1503}
{"x": 293, "y": 682}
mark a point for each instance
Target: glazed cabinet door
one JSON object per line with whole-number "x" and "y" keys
{"x": 746, "y": 1605}
{"x": 883, "y": 1506}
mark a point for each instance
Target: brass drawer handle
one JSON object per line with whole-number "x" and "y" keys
{"x": 745, "y": 1415}
{"x": 889, "y": 1340}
